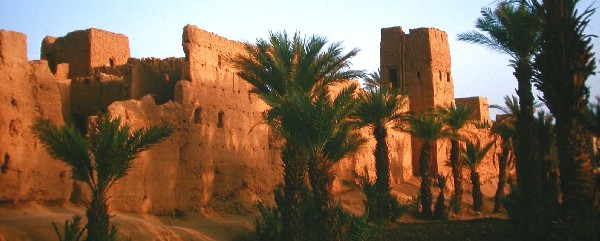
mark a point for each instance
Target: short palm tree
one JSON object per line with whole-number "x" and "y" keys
{"x": 564, "y": 63}
{"x": 429, "y": 127}
{"x": 99, "y": 160}
{"x": 281, "y": 70}
{"x": 473, "y": 154}
{"x": 512, "y": 28}
{"x": 380, "y": 109}
{"x": 505, "y": 130}
{"x": 456, "y": 118}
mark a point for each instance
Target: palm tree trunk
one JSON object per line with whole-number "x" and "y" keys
{"x": 502, "y": 163}
{"x": 294, "y": 177}
{"x": 528, "y": 163}
{"x": 321, "y": 179}
{"x": 575, "y": 167}
{"x": 477, "y": 195}
{"x": 440, "y": 206}
{"x": 382, "y": 170}
{"x": 456, "y": 174}
{"x": 97, "y": 218}
{"x": 426, "y": 196}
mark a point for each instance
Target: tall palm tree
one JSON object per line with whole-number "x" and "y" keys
{"x": 512, "y": 28}
{"x": 99, "y": 160}
{"x": 319, "y": 125}
{"x": 456, "y": 117}
{"x": 473, "y": 154}
{"x": 430, "y": 127}
{"x": 564, "y": 63}
{"x": 380, "y": 109}
{"x": 281, "y": 71}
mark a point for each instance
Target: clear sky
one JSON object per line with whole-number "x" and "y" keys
{"x": 154, "y": 28}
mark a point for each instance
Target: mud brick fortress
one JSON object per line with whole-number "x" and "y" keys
{"x": 220, "y": 155}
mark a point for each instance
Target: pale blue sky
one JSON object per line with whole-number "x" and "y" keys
{"x": 154, "y": 28}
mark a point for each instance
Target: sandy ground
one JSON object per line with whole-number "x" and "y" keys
{"x": 33, "y": 221}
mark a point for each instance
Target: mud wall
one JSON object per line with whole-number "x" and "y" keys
{"x": 28, "y": 90}
{"x": 479, "y": 105}
{"x": 155, "y": 76}
{"x": 84, "y": 50}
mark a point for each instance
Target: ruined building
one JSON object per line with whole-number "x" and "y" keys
{"x": 220, "y": 155}
{"x": 418, "y": 65}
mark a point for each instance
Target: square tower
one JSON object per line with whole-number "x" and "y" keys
{"x": 418, "y": 65}
{"x": 84, "y": 50}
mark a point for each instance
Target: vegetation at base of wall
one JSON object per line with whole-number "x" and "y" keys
{"x": 268, "y": 224}
{"x": 373, "y": 199}
{"x": 71, "y": 231}
{"x": 98, "y": 159}
{"x": 440, "y": 211}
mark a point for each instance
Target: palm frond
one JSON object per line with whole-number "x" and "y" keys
{"x": 68, "y": 145}
{"x": 474, "y": 152}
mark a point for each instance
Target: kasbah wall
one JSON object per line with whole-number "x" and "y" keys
{"x": 221, "y": 156}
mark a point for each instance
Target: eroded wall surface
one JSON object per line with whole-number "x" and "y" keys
{"x": 221, "y": 155}
{"x": 28, "y": 90}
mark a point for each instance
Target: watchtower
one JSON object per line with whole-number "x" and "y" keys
{"x": 418, "y": 65}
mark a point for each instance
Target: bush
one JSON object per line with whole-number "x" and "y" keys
{"x": 361, "y": 230}
{"x": 268, "y": 226}
{"x": 374, "y": 199}
{"x": 71, "y": 231}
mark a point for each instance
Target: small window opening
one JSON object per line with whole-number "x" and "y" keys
{"x": 448, "y": 77}
{"x": 111, "y": 62}
{"x": 220, "y": 119}
{"x": 5, "y": 164}
{"x": 197, "y": 114}
{"x": 419, "y": 75}
{"x": 440, "y": 74}
{"x": 394, "y": 78}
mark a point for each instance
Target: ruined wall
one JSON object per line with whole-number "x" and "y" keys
{"x": 28, "y": 90}
{"x": 227, "y": 145}
{"x": 84, "y": 50}
{"x": 219, "y": 156}
{"x": 155, "y": 76}
{"x": 480, "y": 106}
{"x": 93, "y": 94}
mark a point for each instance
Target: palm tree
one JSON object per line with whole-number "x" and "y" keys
{"x": 546, "y": 132}
{"x": 380, "y": 109}
{"x": 505, "y": 130}
{"x": 456, "y": 117}
{"x": 512, "y": 28}
{"x": 429, "y": 127}
{"x": 372, "y": 82}
{"x": 283, "y": 72}
{"x": 472, "y": 155}
{"x": 564, "y": 63}
{"x": 99, "y": 160}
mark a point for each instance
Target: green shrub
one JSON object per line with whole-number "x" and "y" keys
{"x": 268, "y": 226}
{"x": 72, "y": 230}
